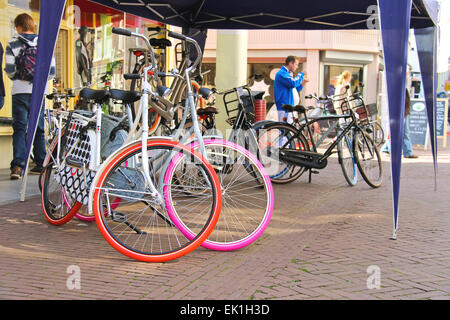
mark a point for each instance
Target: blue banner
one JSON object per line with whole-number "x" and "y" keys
{"x": 426, "y": 40}
{"x": 50, "y": 17}
{"x": 395, "y": 17}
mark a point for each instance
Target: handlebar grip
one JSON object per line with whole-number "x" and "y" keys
{"x": 157, "y": 29}
{"x": 121, "y": 31}
{"x": 308, "y": 97}
{"x": 176, "y": 35}
{"x": 130, "y": 76}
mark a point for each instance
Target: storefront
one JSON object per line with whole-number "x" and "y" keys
{"x": 86, "y": 51}
{"x": 362, "y": 66}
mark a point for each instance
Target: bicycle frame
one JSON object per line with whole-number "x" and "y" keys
{"x": 143, "y": 132}
{"x": 339, "y": 137}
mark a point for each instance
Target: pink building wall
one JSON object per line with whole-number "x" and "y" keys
{"x": 274, "y": 45}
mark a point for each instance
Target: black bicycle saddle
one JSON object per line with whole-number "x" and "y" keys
{"x": 289, "y": 108}
{"x": 160, "y": 43}
{"x": 125, "y": 96}
{"x": 207, "y": 111}
{"x": 99, "y": 96}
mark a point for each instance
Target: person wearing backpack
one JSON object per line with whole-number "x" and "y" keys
{"x": 20, "y": 64}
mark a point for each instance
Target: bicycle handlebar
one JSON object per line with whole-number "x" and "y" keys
{"x": 123, "y": 32}
{"x": 182, "y": 37}
{"x": 177, "y": 35}
{"x": 128, "y": 33}
{"x": 130, "y": 76}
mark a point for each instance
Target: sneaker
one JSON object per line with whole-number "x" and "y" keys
{"x": 412, "y": 156}
{"x": 16, "y": 173}
{"x": 36, "y": 170}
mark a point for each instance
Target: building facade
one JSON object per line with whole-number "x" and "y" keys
{"x": 84, "y": 24}
{"x": 322, "y": 54}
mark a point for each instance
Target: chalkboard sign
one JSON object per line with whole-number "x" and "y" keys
{"x": 442, "y": 120}
{"x": 441, "y": 116}
{"x": 418, "y": 122}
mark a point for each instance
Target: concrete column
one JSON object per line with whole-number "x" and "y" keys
{"x": 371, "y": 81}
{"x": 231, "y": 67}
{"x": 312, "y": 70}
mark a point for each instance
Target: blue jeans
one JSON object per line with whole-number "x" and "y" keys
{"x": 283, "y": 114}
{"x": 406, "y": 144}
{"x": 20, "y": 113}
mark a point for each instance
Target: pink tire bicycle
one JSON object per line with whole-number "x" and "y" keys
{"x": 247, "y": 195}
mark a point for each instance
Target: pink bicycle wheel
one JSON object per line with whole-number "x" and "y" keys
{"x": 247, "y": 195}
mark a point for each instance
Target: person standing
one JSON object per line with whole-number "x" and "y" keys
{"x": 332, "y": 87}
{"x": 406, "y": 144}
{"x": 341, "y": 91}
{"x": 2, "y": 85}
{"x": 20, "y": 65}
{"x": 284, "y": 85}
{"x": 84, "y": 56}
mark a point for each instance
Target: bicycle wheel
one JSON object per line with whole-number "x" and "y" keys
{"x": 270, "y": 139}
{"x": 247, "y": 195}
{"x": 139, "y": 226}
{"x": 378, "y": 134}
{"x": 368, "y": 159}
{"x": 154, "y": 119}
{"x": 57, "y": 205}
{"x": 347, "y": 160}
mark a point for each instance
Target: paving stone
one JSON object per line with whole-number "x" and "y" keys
{"x": 319, "y": 244}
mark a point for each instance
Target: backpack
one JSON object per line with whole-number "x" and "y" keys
{"x": 26, "y": 62}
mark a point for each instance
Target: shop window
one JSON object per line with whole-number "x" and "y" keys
{"x": 209, "y": 80}
{"x": 61, "y": 79}
{"x": 101, "y": 56}
{"x": 332, "y": 71}
{"x": 32, "y": 5}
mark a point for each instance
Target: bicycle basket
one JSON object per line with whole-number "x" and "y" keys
{"x": 77, "y": 180}
{"x": 236, "y": 100}
{"x": 360, "y": 109}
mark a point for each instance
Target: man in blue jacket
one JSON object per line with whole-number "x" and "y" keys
{"x": 284, "y": 84}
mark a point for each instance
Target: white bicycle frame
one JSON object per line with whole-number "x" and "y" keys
{"x": 133, "y": 135}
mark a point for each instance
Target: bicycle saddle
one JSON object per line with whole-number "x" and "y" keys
{"x": 205, "y": 93}
{"x": 125, "y": 96}
{"x": 160, "y": 43}
{"x": 99, "y": 96}
{"x": 207, "y": 111}
{"x": 289, "y": 108}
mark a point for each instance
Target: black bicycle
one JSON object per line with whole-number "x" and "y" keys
{"x": 291, "y": 153}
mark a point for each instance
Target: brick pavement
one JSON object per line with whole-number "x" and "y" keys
{"x": 321, "y": 240}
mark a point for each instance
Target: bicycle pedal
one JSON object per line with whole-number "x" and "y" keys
{"x": 118, "y": 217}
{"x": 74, "y": 162}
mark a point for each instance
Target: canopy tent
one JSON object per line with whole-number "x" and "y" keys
{"x": 396, "y": 18}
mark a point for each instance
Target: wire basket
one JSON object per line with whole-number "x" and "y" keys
{"x": 239, "y": 99}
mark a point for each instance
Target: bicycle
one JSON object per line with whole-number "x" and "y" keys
{"x": 292, "y": 148}
{"x": 246, "y": 189}
{"x": 367, "y": 117}
{"x": 124, "y": 191}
